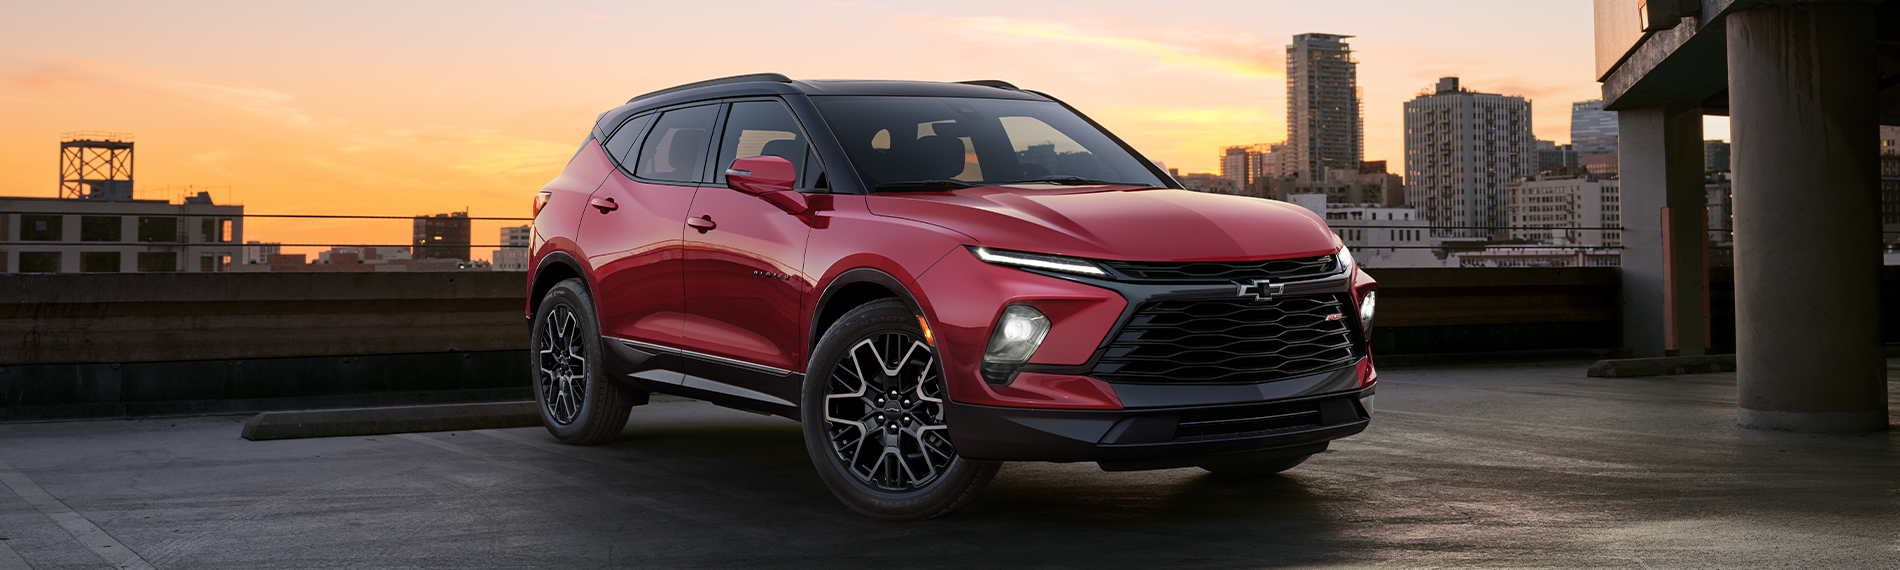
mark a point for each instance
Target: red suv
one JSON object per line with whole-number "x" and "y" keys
{"x": 934, "y": 278}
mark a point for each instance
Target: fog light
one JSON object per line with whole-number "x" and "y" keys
{"x": 1017, "y": 334}
{"x": 1365, "y": 311}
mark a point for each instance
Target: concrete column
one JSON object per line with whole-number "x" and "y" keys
{"x": 1659, "y": 155}
{"x": 1802, "y": 98}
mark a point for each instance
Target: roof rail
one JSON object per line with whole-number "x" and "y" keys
{"x": 997, "y": 83}
{"x": 751, "y": 78}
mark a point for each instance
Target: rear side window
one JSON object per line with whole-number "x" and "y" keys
{"x": 620, "y": 144}
{"x": 761, "y": 128}
{"x": 677, "y": 147}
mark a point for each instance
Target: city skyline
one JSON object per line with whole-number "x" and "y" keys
{"x": 364, "y": 109}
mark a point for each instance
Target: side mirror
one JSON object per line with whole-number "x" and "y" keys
{"x": 771, "y": 178}
{"x": 761, "y": 174}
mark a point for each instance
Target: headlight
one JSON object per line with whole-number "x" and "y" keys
{"x": 1039, "y": 261}
{"x": 1345, "y": 258}
{"x": 1365, "y": 311}
{"x": 1017, "y": 334}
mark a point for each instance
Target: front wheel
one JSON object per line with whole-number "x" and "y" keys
{"x": 874, "y": 419}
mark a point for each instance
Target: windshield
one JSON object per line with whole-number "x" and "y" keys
{"x": 935, "y": 143}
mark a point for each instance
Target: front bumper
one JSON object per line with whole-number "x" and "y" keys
{"x": 1166, "y": 436}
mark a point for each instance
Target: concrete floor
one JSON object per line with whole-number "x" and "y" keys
{"x": 1518, "y": 467}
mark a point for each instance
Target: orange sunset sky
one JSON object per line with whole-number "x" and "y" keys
{"x": 403, "y": 108}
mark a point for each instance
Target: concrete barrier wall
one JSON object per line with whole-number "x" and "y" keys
{"x": 136, "y": 317}
{"x": 101, "y": 345}
{"x": 1438, "y": 315}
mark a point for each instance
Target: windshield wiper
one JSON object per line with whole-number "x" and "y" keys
{"x": 922, "y": 185}
{"x": 1071, "y": 181}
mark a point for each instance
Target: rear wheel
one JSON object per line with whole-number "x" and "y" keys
{"x": 874, "y": 419}
{"x": 577, "y": 404}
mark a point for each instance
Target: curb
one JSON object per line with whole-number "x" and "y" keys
{"x": 1664, "y": 366}
{"x": 381, "y": 421}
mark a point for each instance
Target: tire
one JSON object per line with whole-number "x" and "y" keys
{"x": 1257, "y": 468}
{"x": 577, "y": 405}
{"x": 916, "y": 474}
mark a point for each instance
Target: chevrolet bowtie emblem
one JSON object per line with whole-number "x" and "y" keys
{"x": 1259, "y": 289}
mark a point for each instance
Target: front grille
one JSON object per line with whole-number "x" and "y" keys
{"x": 1223, "y": 341}
{"x": 1276, "y": 269}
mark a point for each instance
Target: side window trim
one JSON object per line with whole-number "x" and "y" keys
{"x": 639, "y": 138}
{"x": 811, "y": 149}
{"x": 656, "y": 113}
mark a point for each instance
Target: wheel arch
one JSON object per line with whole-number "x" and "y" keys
{"x": 555, "y": 267}
{"x": 850, "y": 290}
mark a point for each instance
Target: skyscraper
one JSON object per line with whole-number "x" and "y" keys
{"x": 1324, "y": 128}
{"x": 1592, "y": 129}
{"x": 1461, "y": 148}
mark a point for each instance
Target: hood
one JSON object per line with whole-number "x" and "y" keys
{"x": 1118, "y": 222}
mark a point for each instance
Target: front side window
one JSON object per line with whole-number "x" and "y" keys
{"x": 762, "y": 128}
{"x": 898, "y": 142}
{"x": 676, "y": 149}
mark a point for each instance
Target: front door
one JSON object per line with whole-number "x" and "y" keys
{"x": 744, "y": 266}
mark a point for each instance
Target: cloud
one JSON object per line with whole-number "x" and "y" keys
{"x": 476, "y": 151}
{"x": 69, "y": 76}
{"x": 1222, "y": 53}
{"x": 274, "y": 105}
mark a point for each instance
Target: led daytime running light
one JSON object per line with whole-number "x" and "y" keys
{"x": 1035, "y": 261}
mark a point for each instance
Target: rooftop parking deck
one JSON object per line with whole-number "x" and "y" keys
{"x": 1502, "y": 466}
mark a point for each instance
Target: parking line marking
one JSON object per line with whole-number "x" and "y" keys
{"x": 82, "y": 530}
{"x": 10, "y": 560}
{"x": 572, "y": 481}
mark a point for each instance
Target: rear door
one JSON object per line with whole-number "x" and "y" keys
{"x": 745, "y": 279}
{"x": 631, "y": 229}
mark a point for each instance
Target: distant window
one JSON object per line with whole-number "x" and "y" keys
{"x": 39, "y": 262}
{"x": 620, "y": 144}
{"x": 99, "y": 228}
{"x": 677, "y": 146}
{"x": 155, "y": 229}
{"x": 99, "y": 261}
{"x": 158, "y": 261}
{"x": 40, "y": 228}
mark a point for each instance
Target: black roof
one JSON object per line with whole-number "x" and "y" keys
{"x": 776, "y": 84}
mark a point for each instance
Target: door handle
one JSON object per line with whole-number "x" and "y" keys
{"x": 604, "y": 204}
{"x": 703, "y": 223}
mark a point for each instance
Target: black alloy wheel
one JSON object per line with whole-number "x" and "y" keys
{"x": 875, "y": 423}
{"x": 577, "y": 405}
{"x": 884, "y": 413}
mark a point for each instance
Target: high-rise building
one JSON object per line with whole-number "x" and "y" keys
{"x": 1553, "y": 156}
{"x": 1557, "y": 209}
{"x": 442, "y": 236}
{"x": 1324, "y": 127}
{"x": 513, "y": 256}
{"x": 1247, "y": 164}
{"x": 1461, "y": 148}
{"x": 1592, "y": 129}
{"x": 1714, "y": 156}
